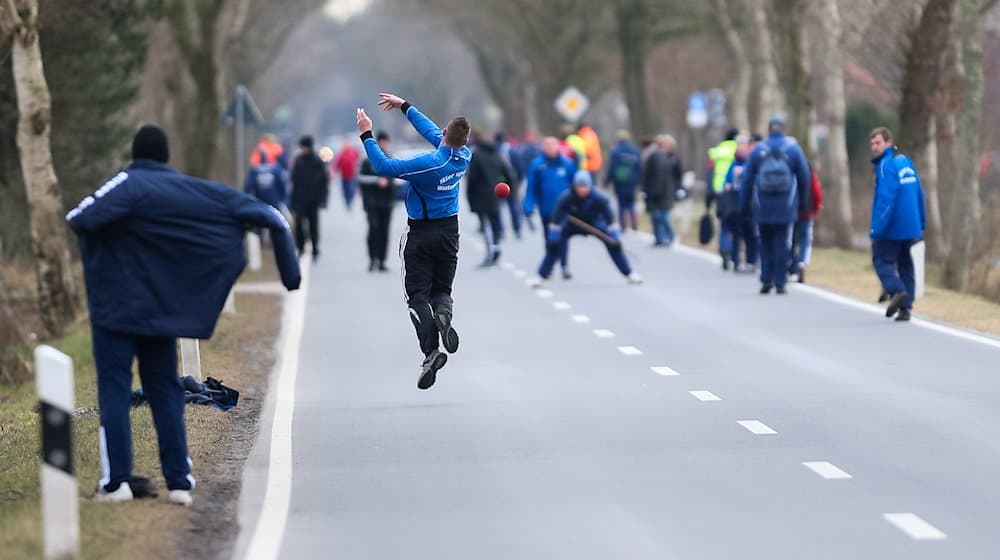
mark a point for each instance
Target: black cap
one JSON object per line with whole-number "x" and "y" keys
{"x": 306, "y": 141}
{"x": 382, "y": 135}
{"x": 151, "y": 143}
{"x": 732, "y": 133}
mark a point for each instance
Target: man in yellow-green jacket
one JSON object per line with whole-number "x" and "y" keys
{"x": 720, "y": 159}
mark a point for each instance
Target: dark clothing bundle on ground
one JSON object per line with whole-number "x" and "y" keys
{"x": 212, "y": 393}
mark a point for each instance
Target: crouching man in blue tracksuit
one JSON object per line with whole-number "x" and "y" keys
{"x": 429, "y": 247}
{"x": 160, "y": 254}
{"x": 583, "y": 210}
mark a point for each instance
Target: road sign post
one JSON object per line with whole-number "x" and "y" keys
{"x": 60, "y": 502}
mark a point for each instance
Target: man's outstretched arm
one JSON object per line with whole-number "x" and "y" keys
{"x": 423, "y": 125}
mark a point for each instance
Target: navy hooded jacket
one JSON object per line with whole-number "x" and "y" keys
{"x": 162, "y": 250}
{"x": 595, "y": 209}
{"x": 776, "y": 209}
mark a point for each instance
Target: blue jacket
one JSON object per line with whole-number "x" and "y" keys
{"x": 433, "y": 176}
{"x": 161, "y": 250}
{"x": 776, "y": 209}
{"x": 595, "y": 209}
{"x": 898, "y": 205}
{"x": 548, "y": 179}
{"x": 624, "y": 167}
{"x": 523, "y": 156}
{"x": 266, "y": 181}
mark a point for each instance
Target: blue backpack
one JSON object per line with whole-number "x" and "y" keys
{"x": 775, "y": 175}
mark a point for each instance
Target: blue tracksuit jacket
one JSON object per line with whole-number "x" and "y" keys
{"x": 266, "y": 181}
{"x": 898, "y": 206}
{"x": 548, "y": 179}
{"x": 433, "y": 176}
{"x": 161, "y": 250}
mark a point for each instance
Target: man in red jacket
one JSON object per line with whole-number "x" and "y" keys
{"x": 346, "y": 165}
{"x": 803, "y": 235}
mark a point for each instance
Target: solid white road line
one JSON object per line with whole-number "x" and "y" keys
{"x": 544, "y": 294}
{"x": 266, "y": 541}
{"x": 757, "y": 427}
{"x": 706, "y": 396}
{"x": 581, "y": 319}
{"x": 827, "y": 470}
{"x": 664, "y": 371}
{"x": 630, "y": 350}
{"x": 914, "y": 526}
{"x": 560, "y": 305}
{"x": 603, "y": 333}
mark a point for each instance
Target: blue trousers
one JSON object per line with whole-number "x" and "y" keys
{"x": 113, "y": 355}
{"x": 802, "y": 249}
{"x": 626, "y": 209}
{"x": 564, "y": 256}
{"x": 726, "y": 238}
{"x": 662, "y": 231}
{"x": 894, "y": 267}
{"x": 775, "y": 250}
{"x": 350, "y": 187}
{"x": 516, "y": 209}
{"x": 554, "y": 250}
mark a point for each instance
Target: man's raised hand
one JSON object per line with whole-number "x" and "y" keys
{"x": 388, "y": 101}
{"x": 364, "y": 121}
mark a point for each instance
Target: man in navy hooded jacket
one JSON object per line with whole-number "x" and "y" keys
{"x": 898, "y": 221}
{"x": 160, "y": 253}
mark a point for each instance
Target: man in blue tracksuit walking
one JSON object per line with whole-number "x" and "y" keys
{"x": 583, "y": 210}
{"x": 429, "y": 247}
{"x": 160, "y": 253}
{"x": 898, "y": 221}
{"x": 776, "y": 187}
{"x": 548, "y": 178}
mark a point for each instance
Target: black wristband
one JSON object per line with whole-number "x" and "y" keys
{"x": 366, "y": 135}
{"x": 405, "y": 107}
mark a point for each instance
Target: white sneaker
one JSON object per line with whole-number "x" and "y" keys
{"x": 535, "y": 282}
{"x": 122, "y": 494}
{"x": 181, "y": 497}
{"x": 634, "y": 278}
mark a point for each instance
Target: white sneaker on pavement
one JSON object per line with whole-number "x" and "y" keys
{"x": 181, "y": 497}
{"x": 122, "y": 494}
{"x": 634, "y": 278}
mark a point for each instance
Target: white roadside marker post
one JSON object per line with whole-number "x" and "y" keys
{"x": 918, "y": 252}
{"x": 190, "y": 358}
{"x": 60, "y": 497}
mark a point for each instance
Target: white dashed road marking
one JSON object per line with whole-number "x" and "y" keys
{"x": 520, "y": 273}
{"x": 544, "y": 294}
{"x": 508, "y": 265}
{"x": 664, "y": 371}
{"x": 603, "y": 333}
{"x": 560, "y": 305}
{"x": 914, "y": 526}
{"x": 827, "y": 470}
{"x": 581, "y": 319}
{"x": 630, "y": 350}
{"x": 757, "y": 427}
{"x": 705, "y": 396}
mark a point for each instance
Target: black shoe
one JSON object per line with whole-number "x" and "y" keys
{"x": 884, "y": 297}
{"x": 895, "y": 303}
{"x": 315, "y": 257}
{"x": 566, "y": 274}
{"x": 765, "y": 288}
{"x": 904, "y": 315}
{"x": 372, "y": 265}
{"x": 143, "y": 487}
{"x": 429, "y": 368}
{"x": 448, "y": 335}
{"x": 802, "y": 273}
{"x": 382, "y": 267}
{"x": 725, "y": 264}
{"x": 781, "y": 290}
{"x": 496, "y": 256}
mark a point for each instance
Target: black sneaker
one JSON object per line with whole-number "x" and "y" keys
{"x": 725, "y": 263}
{"x": 382, "y": 267}
{"x": 496, "y": 256}
{"x": 428, "y": 370}
{"x": 802, "y": 273}
{"x": 566, "y": 274}
{"x": 884, "y": 297}
{"x": 904, "y": 315}
{"x": 448, "y": 335}
{"x": 143, "y": 487}
{"x": 372, "y": 265}
{"x": 781, "y": 290}
{"x": 895, "y": 303}
{"x": 765, "y": 288}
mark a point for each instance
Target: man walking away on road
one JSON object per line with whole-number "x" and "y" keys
{"x": 803, "y": 239}
{"x": 592, "y": 150}
{"x": 160, "y": 253}
{"x": 310, "y": 188}
{"x": 584, "y": 210}
{"x": 429, "y": 247}
{"x": 548, "y": 178}
{"x": 624, "y": 174}
{"x": 720, "y": 159}
{"x": 898, "y": 221}
{"x": 522, "y": 157}
{"x": 486, "y": 170}
{"x": 378, "y": 196}
{"x": 266, "y": 181}
{"x": 731, "y": 217}
{"x": 661, "y": 180}
{"x": 346, "y": 164}
{"x": 776, "y": 190}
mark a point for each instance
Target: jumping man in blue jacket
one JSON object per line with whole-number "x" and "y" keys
{"x": 429, "y": 247}
{"x": 549, "y": 176}
{"x": 160, "y": 254}
{"x": 898, "y": 221}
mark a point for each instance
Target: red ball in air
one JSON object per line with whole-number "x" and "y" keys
{"x": 502, "y": 190}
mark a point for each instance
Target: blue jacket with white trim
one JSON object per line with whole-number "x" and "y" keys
{"x": 161, "y": 250}
{"x": 433, "y": 176}
{"x": 548, "y": 179}
{"x": 898, "y": 211}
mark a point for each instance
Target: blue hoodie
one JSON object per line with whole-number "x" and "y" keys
{"x": 595, "y": 209}
{"x": 266, "y": 181}
{"x": 548, "y": 179}
{"x": 898, "y": 205}
{"x": 625, "y": 167}
{"x": 433, "y": 176}
{"x": 161, "y": 250}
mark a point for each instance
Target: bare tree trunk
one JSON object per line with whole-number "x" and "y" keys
{"x": 966, "y": 211}
{"x": 633, "y": 24}
{"x": 930, "y": 177}
{"x": 13, "y": 366}
{"x": 739, "y": 92}
{"x": 58, "y": 298}
{"x": 770, "y": 99}
{"x": 836, "y": 171}
{"x": 792, "y": 66}
{"x": 921, "y": 86}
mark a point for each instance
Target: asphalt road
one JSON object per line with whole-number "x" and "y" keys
{"x": 566, "y": 426}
